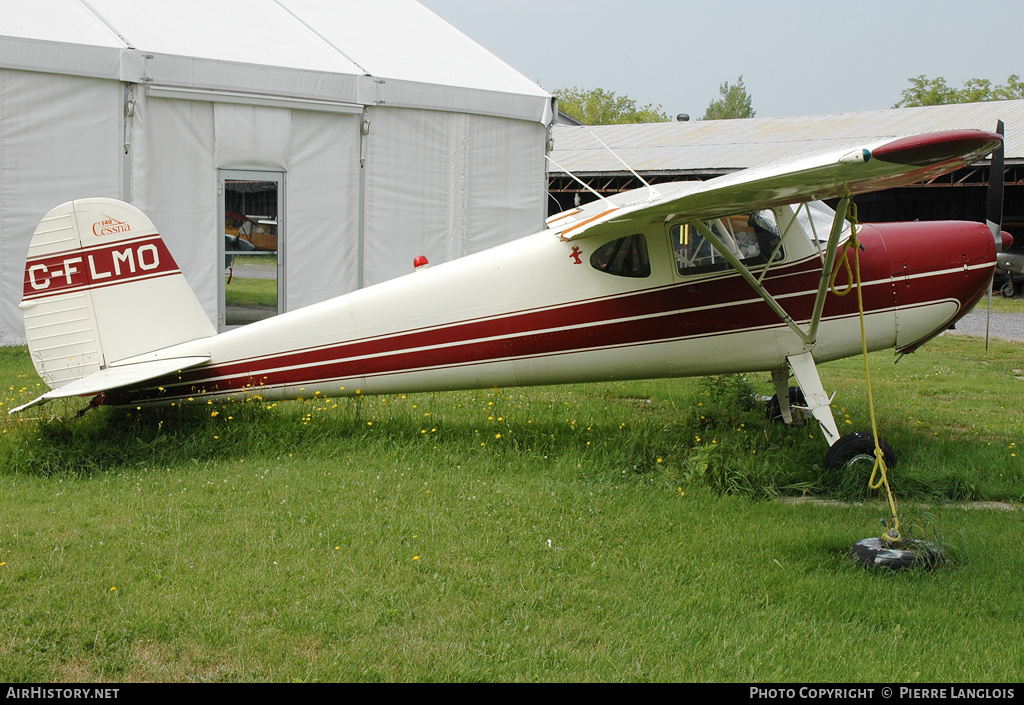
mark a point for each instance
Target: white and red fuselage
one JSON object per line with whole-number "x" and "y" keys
{"x": 537, "y": 312}
{"x": 621, "y": 289}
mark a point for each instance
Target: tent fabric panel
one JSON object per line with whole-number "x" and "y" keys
{"x": 322, "y": 221}
{"x": 60, "y": 139}
{"x": 174, "y": 181}
{"x": 250, "y": 78}
{"x": 510, "y": 189}
{"x": 412, "y": 184}
{"x": 443, "y": 185}
{"x": 425, "y": 96}
{"x": 251, "y": 137}
{"x": 60, "y": 57}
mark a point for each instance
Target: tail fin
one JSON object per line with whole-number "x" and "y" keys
{"x": 102, "y": 287}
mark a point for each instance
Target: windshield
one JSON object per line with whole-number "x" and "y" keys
{"x": 816, "y": 220}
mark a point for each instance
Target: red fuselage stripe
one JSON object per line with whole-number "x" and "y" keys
{"x": 653, "y": 316}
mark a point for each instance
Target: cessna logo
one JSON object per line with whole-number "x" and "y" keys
{"x": 110, "y": 226}
{"x": 100, "y": 266}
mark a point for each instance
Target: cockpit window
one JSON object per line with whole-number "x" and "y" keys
{"x": 751, "y": 238}
{"x": 625, "y": 257}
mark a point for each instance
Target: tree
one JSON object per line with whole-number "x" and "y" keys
{"x": 734, "y": 103}
{"x": 600, "y": 107}
{"x": 935, "y": 91}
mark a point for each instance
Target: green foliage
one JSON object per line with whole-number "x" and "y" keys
{"x": 601, "y": 532}
{"x": 935, "y": 91}
{"x": 734, "y": 103}
{"x": 600, "y": 107}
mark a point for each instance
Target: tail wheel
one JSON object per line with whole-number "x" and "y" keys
{"x": 856, "y": 449}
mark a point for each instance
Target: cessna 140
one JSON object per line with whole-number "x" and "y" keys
{"x": 692, "y": 278}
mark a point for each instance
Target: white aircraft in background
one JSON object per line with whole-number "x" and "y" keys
{"x": 693, "y": 278}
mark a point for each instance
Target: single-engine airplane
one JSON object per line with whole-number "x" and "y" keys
{"x": 692, "y": 278}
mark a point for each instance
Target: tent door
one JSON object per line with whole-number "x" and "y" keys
{"x": 251, "y": 246}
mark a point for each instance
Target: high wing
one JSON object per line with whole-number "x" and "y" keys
{"x": 836, "y": 174}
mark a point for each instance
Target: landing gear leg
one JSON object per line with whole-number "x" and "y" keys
{"x": 818, "y": 402}
{"x": 781, "y": 380}
{"x": 849, "y": 449}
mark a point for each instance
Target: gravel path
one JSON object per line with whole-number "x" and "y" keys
{"x": 1004, "y": 326}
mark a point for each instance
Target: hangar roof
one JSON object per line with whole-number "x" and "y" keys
{"x": 385, "y": 52}
{"x": 715, "y": 146}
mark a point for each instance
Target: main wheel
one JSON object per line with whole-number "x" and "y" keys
{"x": 855, "y": 449}
{"x": 774, "y": 408}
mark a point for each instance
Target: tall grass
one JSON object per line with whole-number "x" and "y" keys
{"x": 596, "y": 532}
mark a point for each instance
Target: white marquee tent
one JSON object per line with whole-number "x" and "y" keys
{"x": 385, "y": 132}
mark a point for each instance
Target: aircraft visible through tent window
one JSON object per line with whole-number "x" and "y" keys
{"x": 693, "y": 278}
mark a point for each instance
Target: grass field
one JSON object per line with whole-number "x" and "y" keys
{"x": 606, "y": 532}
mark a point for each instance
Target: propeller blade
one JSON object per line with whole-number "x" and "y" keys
{"x": 994, "y": 196}
{"x": 994, "y": 214}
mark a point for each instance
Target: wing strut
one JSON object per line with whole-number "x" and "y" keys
{"x": 826, "y": 270}
{"x": 811, "y": 334}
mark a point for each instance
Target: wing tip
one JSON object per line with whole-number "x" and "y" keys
{"x": 938, "y": 147}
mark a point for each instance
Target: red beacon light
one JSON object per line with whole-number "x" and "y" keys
{"x": 420, "y": 261}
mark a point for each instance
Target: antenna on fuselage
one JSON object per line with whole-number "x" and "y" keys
{"x": 578, "y": 180}
{"x": 654, "y": 192}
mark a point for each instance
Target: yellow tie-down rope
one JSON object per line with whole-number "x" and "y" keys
{"x": 892, "y": 534}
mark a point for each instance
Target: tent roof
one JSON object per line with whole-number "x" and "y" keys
{"x": 385, "y": 52}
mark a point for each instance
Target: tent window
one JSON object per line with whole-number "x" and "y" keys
{"x": 625, "y": 257}
{"x": 252, "y": 230}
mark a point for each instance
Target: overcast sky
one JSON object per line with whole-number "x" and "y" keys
{"x": 796, "y": 57}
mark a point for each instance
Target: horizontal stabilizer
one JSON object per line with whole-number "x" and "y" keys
{"x": 117, "y": 376}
